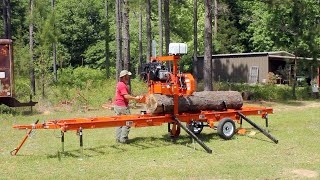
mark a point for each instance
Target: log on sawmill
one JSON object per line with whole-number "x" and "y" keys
{"x": 198, "y": 101}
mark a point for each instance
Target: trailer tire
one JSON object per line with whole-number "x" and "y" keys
{"x": 226, "y": 128}
{"x": 195, "y": 126}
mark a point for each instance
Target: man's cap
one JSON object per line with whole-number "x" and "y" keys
{"x": 124, "y": 72}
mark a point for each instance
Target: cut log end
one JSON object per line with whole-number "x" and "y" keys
{"x": 151, "y": 103}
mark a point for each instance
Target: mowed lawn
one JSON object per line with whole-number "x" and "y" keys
{"x": 152, "y": 155}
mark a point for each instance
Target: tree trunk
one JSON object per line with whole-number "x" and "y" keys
{"x": 148, "y": 22}
{"x": 166, "y": 5}
{"x": 140, "y": 44}
{"x": 199, "y": 101}
{"x": 195, "y": 40}
{"x": 4, "y": 17}
{"x": 294, "y": 84}
{"x": 107, "y": 49}
{"x": 54, "y": 47}
{"x": 126, "y": 39}
{"x": 207, "y": 74}
{"x": 166, "y": 9}
{"x": 126, "y": 36}
{"x": 32, "y": 78}
{"x": 215, "y": 17}
{"x": 42, "y": 72}
{"x": 160, "y": 27}
{"x": 7, "y": 18}
{"x": 118, "y": 39}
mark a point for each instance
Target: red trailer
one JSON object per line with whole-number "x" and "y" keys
{"x": 7, "y": 77}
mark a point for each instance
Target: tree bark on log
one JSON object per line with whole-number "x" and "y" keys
{"x": 198, "y": 101}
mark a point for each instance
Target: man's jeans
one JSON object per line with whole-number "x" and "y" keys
{"x": 122, "y": 132}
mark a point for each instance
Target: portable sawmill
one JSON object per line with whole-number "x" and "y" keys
{"x": 171, "y": 99}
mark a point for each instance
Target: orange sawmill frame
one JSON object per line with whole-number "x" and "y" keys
{"x": 142, "y": 120}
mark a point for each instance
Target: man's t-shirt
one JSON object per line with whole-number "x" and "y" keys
{"x": 121, "y": 90}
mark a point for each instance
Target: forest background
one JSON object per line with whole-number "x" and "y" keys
{"x": 69, "y": 46}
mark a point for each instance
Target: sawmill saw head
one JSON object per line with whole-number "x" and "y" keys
{"x": 161, "y": 80}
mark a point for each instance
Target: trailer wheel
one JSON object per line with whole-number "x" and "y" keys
{"x": 226, "y": 128}
{"x": 195, "y": 126}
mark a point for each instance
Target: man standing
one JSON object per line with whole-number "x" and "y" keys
{"x": 121, "y": 104}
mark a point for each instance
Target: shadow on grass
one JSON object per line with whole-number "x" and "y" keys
{"x": 72, "y": 154}
{"x": 143, "y": 143}
{"x": 140, "y": 143}
{"x": 263, "y": 138}
{"x": 18, "y": 111}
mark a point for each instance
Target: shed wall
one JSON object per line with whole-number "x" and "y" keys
{"x": 236, "y": 69}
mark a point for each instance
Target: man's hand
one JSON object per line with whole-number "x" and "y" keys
{"x": 140, "y": 98}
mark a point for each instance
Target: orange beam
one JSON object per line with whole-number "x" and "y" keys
{"x": 165, "y": 58}
{"x": 144, "y": 120}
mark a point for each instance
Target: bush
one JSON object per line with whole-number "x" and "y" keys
{"x": 268, "y": 92}
{"x": 80, "y": 76}
{"x": 86, "y": 86}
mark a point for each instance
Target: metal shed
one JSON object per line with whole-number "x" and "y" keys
{"x": 246, "y": 67}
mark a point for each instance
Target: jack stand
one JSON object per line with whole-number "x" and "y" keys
{"x": 267, "y": 123}
{"x": 81, "y": 143}
{"x": 192, "y": 135}
{"x": 257, "y": 127}
{"x": 241, "y": 130}
{"x": 62, "y": 141}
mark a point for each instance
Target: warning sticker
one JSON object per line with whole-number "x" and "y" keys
{"x": 2, "y": 75}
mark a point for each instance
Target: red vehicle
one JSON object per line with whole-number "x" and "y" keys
{"x": 7, "y": 77}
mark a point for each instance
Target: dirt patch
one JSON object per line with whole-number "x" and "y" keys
{"x": 305, "y": 173}
{"x": 289, "y": 106}
{"x": 302, "y": 106}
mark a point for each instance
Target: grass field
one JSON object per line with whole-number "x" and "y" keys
{"x": 152, "y": 155}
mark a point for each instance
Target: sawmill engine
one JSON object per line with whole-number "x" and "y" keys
{"x": 156, "y": 72}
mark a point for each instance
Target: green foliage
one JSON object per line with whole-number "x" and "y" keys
{"x": 21, "y": 59}
{"x": 85, "y": 86}
{"x": 257, "y": 15}
{"x": 81, "y": 25}
{"x": 79, "y": 30}
{"x": 22, "y": 89}
{"x": 265, "y": 92}
{"x": 294, "y": 25}
{"x": 80, "y": 76}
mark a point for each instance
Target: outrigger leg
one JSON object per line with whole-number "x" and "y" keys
{"x": 16, "y": 150}
{"x": 192, "y": 135}
{"x": 259, "y": 128}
